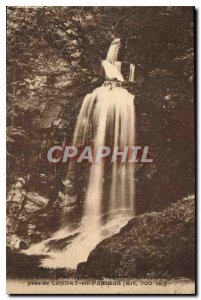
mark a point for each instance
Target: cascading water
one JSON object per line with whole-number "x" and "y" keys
{"x": 107, "y": 117}
{"x": 118, "y": 65}
{"x": 132, "y": 73}
{"x": 113, "y": 50}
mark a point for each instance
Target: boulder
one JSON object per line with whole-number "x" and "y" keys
{"x": 151, "y": 245}
{"x": 35, "y": 202}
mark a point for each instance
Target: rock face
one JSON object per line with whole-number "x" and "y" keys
{"x": 61, "y": 62}
{"x": 152, "y": 245}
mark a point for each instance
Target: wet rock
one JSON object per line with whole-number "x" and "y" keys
{"x": 35, "y": 202}
{"x": 66, "y": 199}
{"x": 13, "y": 242}
{"x": 49, "y": 114}
{"x": 23, "y": 245}
{"x": 63, "y": 81}
{"x": 94, "y": 79}
{"x": 69, "y": 187}
{"x": 80, "y": 270}
{"x": 17, "y": 191}
{"x": 152, "y": 245}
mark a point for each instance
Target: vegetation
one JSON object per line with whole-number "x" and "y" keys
{"x": 54, "y": 59}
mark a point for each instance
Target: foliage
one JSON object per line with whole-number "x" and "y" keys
{"x": 54, "y": 60}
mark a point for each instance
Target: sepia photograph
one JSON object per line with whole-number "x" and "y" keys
{"x": 100, "y": 150}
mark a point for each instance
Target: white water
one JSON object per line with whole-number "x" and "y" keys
{"x": 113, "y": 50}
{"x": 118, "y": 65}
{"x": 78, "y": 251}
{"x": 109, "y": 110}
{"x": 132, "y": 73}
{"x": 112, "y": 71}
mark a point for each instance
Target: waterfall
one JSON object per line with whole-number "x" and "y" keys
{"x": 112, "y": 70}
{"x": 132, "y": 73}
{"x": 107, "y": 117}
{"x": 118, "y": 65}
{"x": 113, "y": 109}
{"x": 113, "y": 50}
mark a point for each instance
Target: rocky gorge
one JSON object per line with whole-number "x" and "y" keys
{"x": 54, "y": 60}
